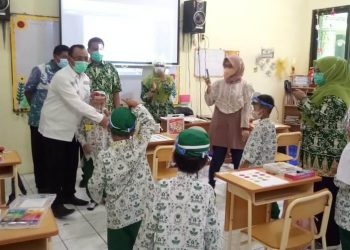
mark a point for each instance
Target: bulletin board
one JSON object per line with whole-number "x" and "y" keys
{"x": 33, "y": 39}
{"x": 210, "y": 59}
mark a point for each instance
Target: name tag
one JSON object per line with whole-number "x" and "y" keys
{"x": 88, "y": 127}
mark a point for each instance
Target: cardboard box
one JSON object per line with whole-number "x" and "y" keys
{"x": 173, "y": 124}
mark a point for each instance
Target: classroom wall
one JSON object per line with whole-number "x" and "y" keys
{"x": 252, "y": 24}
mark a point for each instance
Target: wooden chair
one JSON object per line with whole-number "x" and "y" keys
{"x": 285, "y": 140}
{"x": 162, "y": 158}
{"x": 286, "y": 234}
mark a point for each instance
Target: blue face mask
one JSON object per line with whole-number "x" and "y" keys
{"x": 62, "y": 63}
{"x": 319, "y": 78}
{"x": 80, "y": 66}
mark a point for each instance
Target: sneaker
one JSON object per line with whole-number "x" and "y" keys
{"x": 75, "y": 201}
{"x": 92, "y": 205}
{"x": 60, "y": 211}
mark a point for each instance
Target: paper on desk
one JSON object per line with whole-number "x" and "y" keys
{"x": 193, "y": 119}
{"x": 259, "y": 178}
{"x": 158, "y": 137}
{"x": 29, "y": 203}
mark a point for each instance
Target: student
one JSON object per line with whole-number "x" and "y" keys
{"x": 93, "y": 138}
{"x": 261, "y": 145}
{"x": 183, "y": 214}
{"x": 36, "y": 92}
{"x": 123, "y": 173}
{"x": 342, "y": 204}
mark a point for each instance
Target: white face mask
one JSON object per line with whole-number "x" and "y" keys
{"x": 229, "y": 72}
{"x": 159, "y": 70}
{"x": 256, "y": 114}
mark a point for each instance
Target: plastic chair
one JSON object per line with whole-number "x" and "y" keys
{"x": 285, "y": 140}
{"x": 162, "y": 158}
{"x": 285, "y": 233}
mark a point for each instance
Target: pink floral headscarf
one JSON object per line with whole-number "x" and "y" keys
{"x": 237, "y": 63}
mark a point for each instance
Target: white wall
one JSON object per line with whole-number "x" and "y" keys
{"x": 231, "y": 24}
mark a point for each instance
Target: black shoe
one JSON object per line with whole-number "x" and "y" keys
{"x": 60, "y": 211}
{"x": 43, "y": 191}
{"x": 75, "y": 201}
{"x": 82, "y": 184}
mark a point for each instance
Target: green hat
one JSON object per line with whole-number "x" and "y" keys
{"x": 192, "y": 142}
{"x": 122, "y": 121}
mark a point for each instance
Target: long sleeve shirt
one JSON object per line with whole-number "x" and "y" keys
{"x": 66, "y": 104}
{"x": 182, "y": 216}
{"x": 37, "y": 85}
{"x": 261, "y": 146}
{"x": 122, "y": 171}
{"x": 230, "y": 98}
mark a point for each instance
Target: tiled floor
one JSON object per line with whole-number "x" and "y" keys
{"x": 86, "y": 230}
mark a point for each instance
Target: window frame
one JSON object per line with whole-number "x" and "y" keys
{"x": 313, "y": 43}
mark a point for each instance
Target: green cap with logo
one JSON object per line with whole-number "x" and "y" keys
{"x": 122, "y": 121}
{"x": 193, "y": 142}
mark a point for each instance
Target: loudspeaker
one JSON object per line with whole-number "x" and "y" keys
{"x": 194, "y": 16}
{"x": 5, "y": 10}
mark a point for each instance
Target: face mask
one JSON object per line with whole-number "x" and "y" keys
{"x": 80, "y": 66}
{"x": 159, "y": 70}
{"x": 319, "y": 78}
{"x": 256, "y": 114}
{"x": 229, "y": 72}
{"x": 97, "y": 56}
{"x": 62, "y": 63}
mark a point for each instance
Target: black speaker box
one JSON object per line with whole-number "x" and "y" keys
{"x": 194, "y": 16}
{"x": 5, "y": 10}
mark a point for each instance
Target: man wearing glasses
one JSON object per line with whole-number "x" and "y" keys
{"x": 63, "y": 109}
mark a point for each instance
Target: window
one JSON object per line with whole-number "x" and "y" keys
{"x": 330, "y": 33}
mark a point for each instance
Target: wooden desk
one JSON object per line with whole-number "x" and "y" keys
{"x": 203, "y": 124}
{"x": 244, "y": 195}
{"x": 30, "y": 238}
{"x": 281, "y": 128}
{"x": 8, "y": 169}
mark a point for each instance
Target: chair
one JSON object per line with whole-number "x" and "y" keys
{"x": 162, "y": 158}
{"x": 285, "y": 233}
{"x": 285, "y": 140}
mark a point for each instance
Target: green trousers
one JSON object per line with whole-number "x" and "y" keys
{"x": 123, "y": 238}
{"x": 344, "y": 238}
{"x": 88, "y": 169}
{"x": 275, "y": 211}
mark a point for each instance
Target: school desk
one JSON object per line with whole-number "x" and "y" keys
{"x": 248, "y": 204}
{"x": 30, "y": 238}
{"x": 8, "y": 169}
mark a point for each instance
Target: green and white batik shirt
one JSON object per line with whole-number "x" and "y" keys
{"x": 122, "y": 171}
{"x": 182, "y": 216}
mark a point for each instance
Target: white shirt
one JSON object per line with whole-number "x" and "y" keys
{"x": 65, "y": 105}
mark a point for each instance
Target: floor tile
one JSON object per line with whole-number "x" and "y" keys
{"x": 92, "y": 242}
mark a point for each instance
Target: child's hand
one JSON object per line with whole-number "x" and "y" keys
{"x": 245, "y": 135}
{"x": 87, "y": 149}
{"x": 131, "y": 103}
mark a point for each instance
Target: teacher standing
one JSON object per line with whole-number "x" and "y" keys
{"x": 229, "y": 127}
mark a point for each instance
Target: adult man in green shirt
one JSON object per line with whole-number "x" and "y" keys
{"x": 103, "y": 75}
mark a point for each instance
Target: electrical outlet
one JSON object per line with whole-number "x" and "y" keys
{"x": 202, "y": 37}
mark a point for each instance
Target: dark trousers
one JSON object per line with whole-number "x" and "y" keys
{"x": 219, "y": 154}
{"x": 40, "y": 170}
{"x": 332, "y": 235}
{"x": 61, "y": 157}
{"x": 123, "y": 238}
{"x": 88, "y": 169}
{"x": 344, "y": 238}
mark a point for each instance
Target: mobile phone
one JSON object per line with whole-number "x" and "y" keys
{"x": 207, "y": 73}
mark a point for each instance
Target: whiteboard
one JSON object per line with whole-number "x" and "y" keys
{"x": 210, "y": 59}
{"x": 33, "y": 40}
